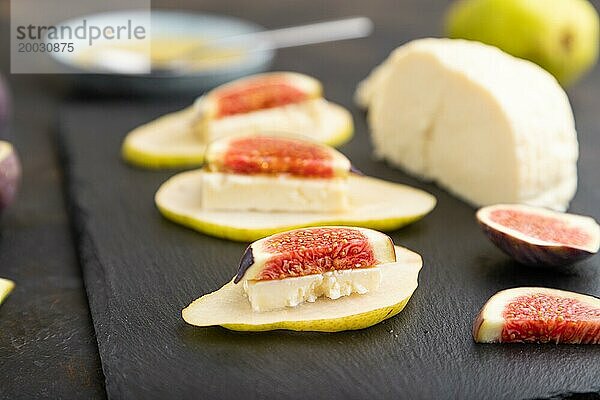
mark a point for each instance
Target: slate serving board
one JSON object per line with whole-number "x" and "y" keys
{"x": 140, "y": 270}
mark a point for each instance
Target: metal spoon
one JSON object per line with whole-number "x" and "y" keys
{"x": 123, "y": 61}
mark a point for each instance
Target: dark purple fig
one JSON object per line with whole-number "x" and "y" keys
{"x": 4, "y": 103}
{"x": 538, "y": 236}
{"x": 538, "y": 315}
{"x": 10, "y": 174}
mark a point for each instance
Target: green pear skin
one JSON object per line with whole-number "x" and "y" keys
{"x": 559, "y": 35}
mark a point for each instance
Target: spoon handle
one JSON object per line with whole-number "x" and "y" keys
{"x": 129, "y": 62}
{"x": 319, "y": 32}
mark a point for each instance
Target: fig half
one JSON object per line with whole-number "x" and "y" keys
{"x": 271, "y": 154}
{"x": 540, "y": 237}
{"x": 538, "y": 315}
{"x": 10, "y": 174}
{"x": 259, "y": 92}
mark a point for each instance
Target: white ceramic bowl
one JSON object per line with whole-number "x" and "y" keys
{"x": 169, "y": 24}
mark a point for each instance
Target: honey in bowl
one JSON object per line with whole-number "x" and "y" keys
{"x": 195, "y": 54}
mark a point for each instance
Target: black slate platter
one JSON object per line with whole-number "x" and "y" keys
{"x": 140, "y": 270}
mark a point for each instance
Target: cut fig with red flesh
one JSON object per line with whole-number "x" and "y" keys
{"x": 251, "y": 155}
{"x": 262, "y": 92}
{"x": 538, "y": 315}
{"x": 274, "y": 102}
{"x": 314, "y": 250}
{"x": 10, "y": 174}
{"x": 540, "y": 237}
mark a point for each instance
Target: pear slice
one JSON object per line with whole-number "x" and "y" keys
{"x": 167, "y": 142}
{"x": 172, "y": 141}
{"x": 374, "y": 203}
{"x": 6, "y": 286}
{"x": 229, "y": 307}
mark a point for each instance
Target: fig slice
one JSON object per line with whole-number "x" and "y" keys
{"x": 251, "y": 155}
{"x": 538, "y": 315}
{"x": 315, "y": 250}
{"x": 540, "y": 237}
{"x": 6, "y": 286}
{"x": 179, "y": 139}
{"x": 259, "y": 92}
{"x": 10, "y": 174}
{"x": 374, "y": 204}
{"x": 229, "y": 307}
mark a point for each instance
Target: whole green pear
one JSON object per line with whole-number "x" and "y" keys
{"x": 559, "y": 35}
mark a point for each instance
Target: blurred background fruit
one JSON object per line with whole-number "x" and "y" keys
{"x": 4, "y": 103}
{"x": 10, "y": 174}
{"x": 559, "y": 35}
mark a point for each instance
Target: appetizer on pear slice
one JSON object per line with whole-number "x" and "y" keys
{"x": 254, "y": 186}
{"x": 280, "y": 101}
{"x": 328, "y": 279}
{"x": 274, "y": 174}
